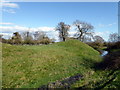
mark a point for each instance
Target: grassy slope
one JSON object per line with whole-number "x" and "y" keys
{"x": 101, "y": 78}
{"x": 33, "y": 66}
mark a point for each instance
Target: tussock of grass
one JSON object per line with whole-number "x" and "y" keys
{"x": 34, "y": 66}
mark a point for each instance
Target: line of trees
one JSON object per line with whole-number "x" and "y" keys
{"x": 29, "y": 38}
{"x": 85, "y": 33}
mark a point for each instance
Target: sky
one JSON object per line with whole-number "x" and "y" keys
{"x": 45, "y": 16}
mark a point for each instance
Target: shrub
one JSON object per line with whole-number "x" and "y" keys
{"x": 4, "y": 40}
{"x": 28, "y": 42}
{"x": 16, "y": 39}
{"x": 45, "y": 41}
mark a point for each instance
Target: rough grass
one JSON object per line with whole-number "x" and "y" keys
{"x": 34, "y": 66}
{"x": 105, "y": 75}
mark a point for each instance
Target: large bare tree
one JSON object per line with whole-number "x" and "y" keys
{"x": 63, "y": 30}
{"x": 83, "y": 28}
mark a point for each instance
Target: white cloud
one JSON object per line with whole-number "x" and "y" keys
{"x": 50, "y": 31}
{"x": 16, "y": 28}
{"x": 6, "y": 23}
{"x": 46, "y": 28}
{"x": 8, "y": 10}
{"x": 106, "y": 25}
{"x": 7, "y": 35}
{"x": 102, "y": 33}
{"x": 111, "y": 24}
{"x": 71, "y": 33}
{"x": 23, "y": 29}
{"x": 101, "y": 25}
{"x": 9, "y": 4}
{"x": 5, "y": 1}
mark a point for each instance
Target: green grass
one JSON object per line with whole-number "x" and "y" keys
{"x": 34, "y": 66}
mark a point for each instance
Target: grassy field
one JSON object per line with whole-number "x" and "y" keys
{"x": 34, "y": 66}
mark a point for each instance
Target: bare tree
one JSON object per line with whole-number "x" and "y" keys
{"x": 27, "y": 36}
{"x": 39, "y": 35}
{"x": 63, "y": 30}
{"x": 88, "y": 37}
{"x": 83, "y": 28}
{"x": 114, "y": 37}
{"x": 98, "y": 39}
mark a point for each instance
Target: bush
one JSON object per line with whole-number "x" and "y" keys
{"x": 4, "y": 40}
{"x": 45, "y": 41}
{"x": 105, "y": 44}
{"x": 16, "y": 39}
{"x": 29, "y": 42}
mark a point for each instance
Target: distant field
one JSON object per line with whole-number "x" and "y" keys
{"x": 34, "y": 66}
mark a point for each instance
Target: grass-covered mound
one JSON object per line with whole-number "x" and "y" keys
{"x": 34, "y": 66}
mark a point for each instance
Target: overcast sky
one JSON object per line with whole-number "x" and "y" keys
{"x": 44, "y": 16}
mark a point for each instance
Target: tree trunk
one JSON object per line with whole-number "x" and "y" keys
{"x": 63, "y": 38}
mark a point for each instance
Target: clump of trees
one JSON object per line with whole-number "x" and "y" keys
{"x": 28, "y": 38}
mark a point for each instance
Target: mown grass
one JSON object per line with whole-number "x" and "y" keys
{"x": 34, "y": 66}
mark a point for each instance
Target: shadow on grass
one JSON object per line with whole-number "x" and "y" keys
{"x": 110, "y": 62}
{"x": 103, "y": 83}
